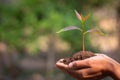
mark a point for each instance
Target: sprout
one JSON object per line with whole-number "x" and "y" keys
{"x": 83, "y": 20}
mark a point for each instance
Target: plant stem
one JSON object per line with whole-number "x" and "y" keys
{"x": 83, "y": 45}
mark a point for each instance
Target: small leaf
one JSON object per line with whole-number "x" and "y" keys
{"x": 60, "y": 31}
{"x": 69, "y": 28}
{"x": 85, "y": 18}
{"x": 95, "y": 31}
{"x": 78, "y": 15}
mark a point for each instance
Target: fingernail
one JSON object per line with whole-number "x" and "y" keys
{"x": 72, "y": 65}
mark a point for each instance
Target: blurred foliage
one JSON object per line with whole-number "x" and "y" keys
{"x": 24, "y": 21}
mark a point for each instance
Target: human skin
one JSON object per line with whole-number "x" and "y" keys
{"x": 94, "y": 68}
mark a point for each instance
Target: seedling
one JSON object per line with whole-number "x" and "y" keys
{"x": 82, "y": 19}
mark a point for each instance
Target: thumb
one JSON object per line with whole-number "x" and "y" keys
{"x": 79, "y": 64}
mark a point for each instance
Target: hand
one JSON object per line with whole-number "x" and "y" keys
{"x": 93, "y": 68}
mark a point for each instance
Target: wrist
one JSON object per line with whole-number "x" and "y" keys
{"x": 115, "y": 71}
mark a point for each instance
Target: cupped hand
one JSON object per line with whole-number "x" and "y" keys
{"x": 93, "y": 68}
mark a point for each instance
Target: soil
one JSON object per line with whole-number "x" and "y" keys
{"x": 78, "y": 56}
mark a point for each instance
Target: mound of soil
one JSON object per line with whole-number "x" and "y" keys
{"x": 78, "y": 56}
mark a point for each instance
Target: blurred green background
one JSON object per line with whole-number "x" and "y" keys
{"x": 30, "y": 46}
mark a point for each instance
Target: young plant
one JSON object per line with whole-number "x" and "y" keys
{"x": 81, "y": 29}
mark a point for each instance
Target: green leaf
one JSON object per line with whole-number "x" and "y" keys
{"x": 78, "y": 15}
{"x": 95, "y": 31}
{"x": 69, "y": 28}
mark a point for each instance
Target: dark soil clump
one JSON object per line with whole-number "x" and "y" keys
{"x": 78, "y": 56}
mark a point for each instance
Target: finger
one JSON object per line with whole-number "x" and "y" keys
{"x": 90, "y": 73}
{"x": 79, "y": 64}
{"x": 61, "y": 65}
{"x": 85, "y": 74}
